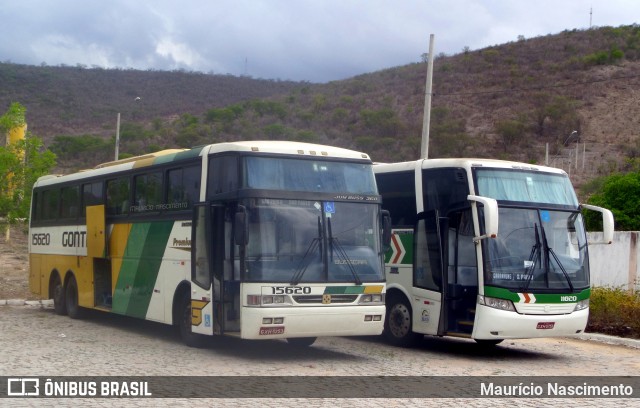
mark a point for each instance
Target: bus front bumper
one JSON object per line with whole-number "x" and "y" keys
{"x": 492, "y": 323}
{"x": 264, "y": 323}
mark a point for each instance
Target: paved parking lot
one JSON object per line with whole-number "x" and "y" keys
{"x": 36, "y": 342}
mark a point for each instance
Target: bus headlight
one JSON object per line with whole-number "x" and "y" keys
{"x": 581, "y": 305}
{"x": 372, "y": 299}
{"x": 268, "y": 300}
{"x": 500, "y": 304}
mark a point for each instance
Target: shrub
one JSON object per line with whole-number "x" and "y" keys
{"x": 614, "y": 311}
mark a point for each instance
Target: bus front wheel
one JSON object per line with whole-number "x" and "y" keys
{"x": 59, "y": 306}
{"x": 398, "y": 323}
{"x": 189, "y": 338}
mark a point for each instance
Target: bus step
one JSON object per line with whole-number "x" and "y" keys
{"x": 465, "y": 322}
{"x": 457, "y": 334}
{"x": 103, "y": 308}
{"x": 232, "y": 334}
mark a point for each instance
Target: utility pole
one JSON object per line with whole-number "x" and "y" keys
{"x": 117, "y": 136}
{"x": 424, "y": 150}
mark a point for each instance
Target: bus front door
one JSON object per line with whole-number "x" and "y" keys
{"x": 201, "y": 295}
{"x": 460, "y": 288}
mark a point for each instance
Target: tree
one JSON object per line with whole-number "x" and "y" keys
{"x": 15, "y": 191}
{"x": 619, "y": 193}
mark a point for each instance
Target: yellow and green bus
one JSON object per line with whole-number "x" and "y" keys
{"x": 259, "y": 240}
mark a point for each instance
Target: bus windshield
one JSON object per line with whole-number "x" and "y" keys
{"x": 286, "y": 174}
{"x": 537, "y": 249}
{"x": 297, "y": 241}
{"x": 525, "y": 186}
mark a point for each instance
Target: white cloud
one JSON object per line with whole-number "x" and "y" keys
{"x": 300, "y": 39}
{"x": 179, "y": 53}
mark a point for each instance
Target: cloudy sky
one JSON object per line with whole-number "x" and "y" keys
{"x": 301, "y": 40}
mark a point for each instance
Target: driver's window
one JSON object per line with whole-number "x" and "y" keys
{"x": 200, "y": 267}
{"x": 427, "y": 272}
{"x": 462, "y": 251}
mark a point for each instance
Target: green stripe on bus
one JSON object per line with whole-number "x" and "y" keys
{"x": 344, "y": 290}
{"x": 502, "y": 293}
{"x": 406, "y": 258}
{"x": 140, "y": 266}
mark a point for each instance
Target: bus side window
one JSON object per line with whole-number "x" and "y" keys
{"x": 91, "y": 195}
{"x": 118, "y": 196}
{"x": 183, "y": 187}
{"x": 427, "y": 265}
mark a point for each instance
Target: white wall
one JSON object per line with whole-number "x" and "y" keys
{"x": 615, "y": 265}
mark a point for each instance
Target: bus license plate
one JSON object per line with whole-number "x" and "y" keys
{"x": 545, "y": 325}
{"x": 267, "y": 331}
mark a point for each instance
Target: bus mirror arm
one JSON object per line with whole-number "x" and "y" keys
{"x": 607, "y": 223}
{"x": 386, "y": 230}
{"x": 241, "y": 229}
{"x": 490, "y": 216}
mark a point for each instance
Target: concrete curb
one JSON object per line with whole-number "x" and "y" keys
{"x": 22, "y": 302}
{"x": 604, "y": 338}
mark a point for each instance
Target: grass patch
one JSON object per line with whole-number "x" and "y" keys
{"x": 614, "y": 311}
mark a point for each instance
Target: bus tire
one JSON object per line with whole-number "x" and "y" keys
{"x": 189, "y": 338}
{"x": 74, "y": 310}
{"x": 301, "y": 341}
{"x": 398, "y": 323}
{"x": 488, "y": 342}
{"x": 58, "y": 294}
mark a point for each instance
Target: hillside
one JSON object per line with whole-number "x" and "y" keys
{"x": 507, "y": 101}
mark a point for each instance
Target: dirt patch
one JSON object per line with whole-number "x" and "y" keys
{"x": 14, "y": 265}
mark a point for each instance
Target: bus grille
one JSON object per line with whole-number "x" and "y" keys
{"x": 545, "y": 308}
{"x": 317, "y": 299}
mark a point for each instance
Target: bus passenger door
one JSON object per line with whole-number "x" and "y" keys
{"x": 427, "y": 274}
{"x": 96, "y": 236}
{"x": 97, "y": 253}
{"x": 460, "y": 287}
{"x": 202, "y": 297}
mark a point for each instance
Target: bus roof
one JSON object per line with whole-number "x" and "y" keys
{"x": 465, "y": 163}
{"x": 171, "y": 155}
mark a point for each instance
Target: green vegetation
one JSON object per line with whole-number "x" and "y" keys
{"x": 620, "y": 193}
{"x": 21, "y": 164}
{"x": 614, "y": 311}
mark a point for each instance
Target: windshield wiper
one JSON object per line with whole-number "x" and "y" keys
{"x": 533, "y": 257}
{"x": 334, "y": 241}
{"x": 550, "y": 250}
{"x": 302, "y": 268}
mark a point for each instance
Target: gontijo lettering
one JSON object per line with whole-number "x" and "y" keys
{"x": 74, "y": 239}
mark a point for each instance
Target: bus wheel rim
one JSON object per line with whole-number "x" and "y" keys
{"x": 400, "y": 320}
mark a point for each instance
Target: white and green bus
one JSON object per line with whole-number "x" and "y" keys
{"x": 259, "y": 240}
{"x": 484, "y": 249}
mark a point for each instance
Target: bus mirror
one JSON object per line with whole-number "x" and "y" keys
{"x": 490, "y": 215}
{"x": 386, "y": 230}
{"x": 607, "y": 223}
{"x": 241, "y": 229}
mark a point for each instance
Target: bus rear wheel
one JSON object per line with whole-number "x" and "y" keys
{"x": 301, "y": 341}
{"x": 71, "y": 300}
{"x": 189, "y": 338}
{"x": 398, "y": 323}
{"x": 59, "y": 305}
